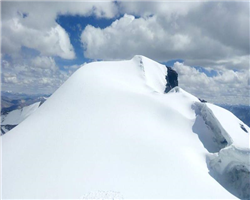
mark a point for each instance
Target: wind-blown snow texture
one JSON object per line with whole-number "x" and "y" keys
{"x": 111, "y": 128}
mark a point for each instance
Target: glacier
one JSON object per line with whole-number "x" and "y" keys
{"x": 111, "y": 131}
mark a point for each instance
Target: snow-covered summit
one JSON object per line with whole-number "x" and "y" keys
{"x": 111, "y": 128}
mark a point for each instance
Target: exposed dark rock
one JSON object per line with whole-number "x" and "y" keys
{"x": 172, "y": 79}
{"x": 6, "y": 128}
{"x": 2, "y": 131}
{"x": 243, "y": 128}
{"x": 13, "y": 101}
{"x": 202, "y": 100}
{"x": 16, "y": 101}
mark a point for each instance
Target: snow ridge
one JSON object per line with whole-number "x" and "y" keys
{"x": 153, "y": 73}
{"x": 230, "y": 166}
{"x": 111, "y": 131}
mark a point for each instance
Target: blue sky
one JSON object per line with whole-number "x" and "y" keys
{"x": 74, "y": 26}
{"x": 43, "y": 43}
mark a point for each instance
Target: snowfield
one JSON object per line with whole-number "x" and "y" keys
{"x": 111, "y": 131}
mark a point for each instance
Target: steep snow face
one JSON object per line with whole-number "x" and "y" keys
{"x": 111, "y": 129}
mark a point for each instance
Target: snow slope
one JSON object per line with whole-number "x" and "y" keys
{"x": 111, "y": 131}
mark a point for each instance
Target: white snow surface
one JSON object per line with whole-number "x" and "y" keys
{"x": 17, "y": 116}
{"x": 230, "y": 123}
{"x": 111, "y": 128}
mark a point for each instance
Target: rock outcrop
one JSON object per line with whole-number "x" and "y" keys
{"x": 172, "y": 79}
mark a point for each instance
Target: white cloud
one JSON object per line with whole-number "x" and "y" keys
{"x": 38, "y": 75}
{"x": 71, "y": 69}
{"x": 204, "y": 19}
{"x": 9, "y": 78}
{"x": 44, "y": 62}
{"x": 228, "y": 86}
{"x": 214, "y": 35}
{"x": 53, "y": 42}
{"x": 129, "y": 36}
{"x": 199, "y": 33}
{"x": 168, "y": 9}
{"x": 33, "y": 25}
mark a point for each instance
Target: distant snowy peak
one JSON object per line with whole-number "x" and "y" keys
{"x": 15, "y": 117}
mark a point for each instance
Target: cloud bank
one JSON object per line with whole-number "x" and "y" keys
{"x": 227, "y": 87}
{"x": 33, "y": 25}
{"x": 38, "y": 75}
{"x": 202, "y": 34}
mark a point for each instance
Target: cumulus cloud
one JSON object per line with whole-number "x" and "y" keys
{"x": 9, "y": 78}
{"x": 223, "y": 21}
{"x": 227, "y": 86}
{"x": 72, "y": 68}
{"x": 129, "y": 36}
{"x": 214, "y": 35}
{"x": 44, "y": 62}
{"x": 199, "y": 33}
{"x": 33, "y": 25}
{"x": 38, "y": 75}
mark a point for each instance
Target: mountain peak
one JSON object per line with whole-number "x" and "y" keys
{"x": 112, "y": 127}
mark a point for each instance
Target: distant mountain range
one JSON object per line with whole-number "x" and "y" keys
{"x": 240, "y": 111}
{"x": 12, "y": 101}
{"x": 16, "y": 107}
